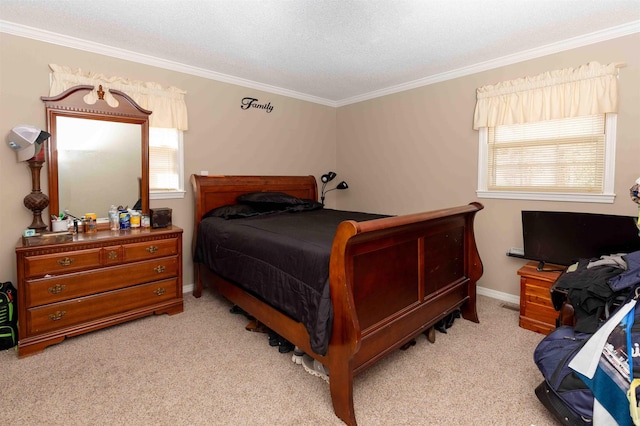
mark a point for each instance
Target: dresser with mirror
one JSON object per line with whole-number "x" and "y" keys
{"x": 97, "y": 156}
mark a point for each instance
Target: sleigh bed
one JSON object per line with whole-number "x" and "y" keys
{"x": 389, "y": 278}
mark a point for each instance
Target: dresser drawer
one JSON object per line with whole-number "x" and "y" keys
{"x": 150, "y": 249}
{"x": 39, "y": 266}
{"x": 54, "y": 289}
{"x": 58, "y": 316}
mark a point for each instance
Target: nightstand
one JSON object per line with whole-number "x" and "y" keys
{"x": 536, "y": 310}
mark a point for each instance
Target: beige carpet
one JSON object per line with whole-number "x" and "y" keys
{"x": 202, "y": 368}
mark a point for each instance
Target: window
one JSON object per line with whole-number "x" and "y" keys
{"x": 165, "y": 163}
{"x": 568, "y": 159}
{"x": 550, "y": 136}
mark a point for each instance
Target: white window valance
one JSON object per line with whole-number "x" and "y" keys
{"x": 571, "y": 92}
{"x": 167, "y": 104}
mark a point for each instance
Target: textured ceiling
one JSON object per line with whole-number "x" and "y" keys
{"x": 332, "y": 51}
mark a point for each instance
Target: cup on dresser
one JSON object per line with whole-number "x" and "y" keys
{"x": 114, "y": 220}
{"x": 59, "y": 225}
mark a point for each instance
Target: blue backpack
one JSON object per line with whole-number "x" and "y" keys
{"x": 603, "y": 375}
{"x": 8, "y": 316}
{"x": 562, "y": 392}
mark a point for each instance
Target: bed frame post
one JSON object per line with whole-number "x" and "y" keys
{"x": 474, "y": 265}
{"x": 345, "y": 334}
{"x": 341, "y": 387}
{"x": 198, "y": 211}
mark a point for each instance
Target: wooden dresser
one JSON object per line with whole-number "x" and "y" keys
{"x": 536, "y": 310}
{"x": 95, "y": 281}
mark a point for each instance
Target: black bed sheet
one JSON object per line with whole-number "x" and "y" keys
{"x": 281, "y": 258}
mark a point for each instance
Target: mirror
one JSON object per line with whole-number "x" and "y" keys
{"x": 98, "y": 155}
{"x": 103, "y": 155}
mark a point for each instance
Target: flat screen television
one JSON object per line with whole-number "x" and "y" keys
{"x": 563, "y": 237}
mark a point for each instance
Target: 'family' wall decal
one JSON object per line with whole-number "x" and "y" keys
{"x": 253, "y": 103}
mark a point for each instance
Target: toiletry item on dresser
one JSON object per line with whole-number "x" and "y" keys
{"x": 145, "y": 221}
{"x": 91, "y": 223}
{"x": 71, "y": 226}
{"x": 81, "y": 225}
{"x": 114, "y": 218}
{"x": 135, "y": 219}
{"x": 125, "y": 219}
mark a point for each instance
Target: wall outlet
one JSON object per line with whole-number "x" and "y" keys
{"x": 204, "y": 172}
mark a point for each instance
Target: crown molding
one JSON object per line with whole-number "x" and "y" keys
{"x": 76, "y": 43}
{"x": 549, "y": 49}
{"x": 102, "y": 49}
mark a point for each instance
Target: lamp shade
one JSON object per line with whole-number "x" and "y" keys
{"x": 328, "y": 177}
{"x": 26, "y": 141}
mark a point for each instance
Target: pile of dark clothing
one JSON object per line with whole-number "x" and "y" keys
{"x": 595, "y": 287}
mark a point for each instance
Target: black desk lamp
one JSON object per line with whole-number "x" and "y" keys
{"x": 326, "y": 178}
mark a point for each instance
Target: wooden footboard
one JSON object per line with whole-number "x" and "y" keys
{"x": 391, "y": 279}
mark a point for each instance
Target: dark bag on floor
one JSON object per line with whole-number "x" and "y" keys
{"x": 8, "y": 316}
{"x": 562, "y": 392}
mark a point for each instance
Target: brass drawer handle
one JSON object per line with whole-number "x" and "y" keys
{"x": 56, "y": 288}
{"x": 65, "y": 261}
{"x": 152, "y": 249}
{"x": 57, "y": 315}
{"x": 159, "y": 269}
{"x": 113, "y": 255}
{"x": 160, "y": 291}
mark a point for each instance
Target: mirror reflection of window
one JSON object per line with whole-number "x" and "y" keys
{"x": 99, "y": 163}
{"x": 164, "y": 159}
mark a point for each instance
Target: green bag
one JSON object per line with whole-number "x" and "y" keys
{"x": 8, "y": 316}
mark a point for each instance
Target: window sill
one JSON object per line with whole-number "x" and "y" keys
{"x": 166, "y": 195}
{"x": 544, "y": 196}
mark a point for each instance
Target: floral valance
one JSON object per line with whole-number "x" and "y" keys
{"x": 571, "y": 92}
{"x": 166, "y": 103}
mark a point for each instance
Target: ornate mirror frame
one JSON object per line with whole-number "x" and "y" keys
{"x": 70, "y": 103}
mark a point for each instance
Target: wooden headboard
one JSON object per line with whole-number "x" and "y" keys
{"x": 215, "y": 191}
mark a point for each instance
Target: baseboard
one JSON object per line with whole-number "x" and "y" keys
{"x": 188, "y": 288}
{"x": 505, "y": 297}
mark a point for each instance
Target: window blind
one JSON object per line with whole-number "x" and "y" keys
{"x": 164, "y": 166}
{"x": 565, "y": 155}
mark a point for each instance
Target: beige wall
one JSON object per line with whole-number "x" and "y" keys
{"x": 297, "y": 137}
{"x": 402, "y": 153}
{"x": 416, "y": 151}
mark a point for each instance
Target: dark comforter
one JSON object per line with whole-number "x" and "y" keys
{"x": 281, "y": 258}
